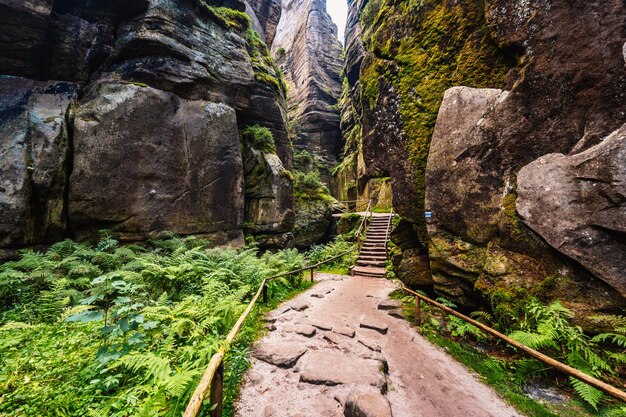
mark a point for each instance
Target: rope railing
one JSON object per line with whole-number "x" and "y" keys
{"x": 211, "y": 383}
{"x": 559, "y": 366}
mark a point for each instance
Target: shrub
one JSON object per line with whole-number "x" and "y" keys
{"x": 259, "y": 138}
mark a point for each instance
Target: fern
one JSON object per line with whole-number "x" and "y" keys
{"x": 549, "y": 327}
{"x": 588, "y": 393}
{"x": 618, "y": 339}
{"x": 534, "y": 340}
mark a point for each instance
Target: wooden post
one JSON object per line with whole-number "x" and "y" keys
{"x": 216, "y": 392}
{"x": 418, "y": 312}
{"x": 312, "y": 274}
{"x": 264, "y": 293}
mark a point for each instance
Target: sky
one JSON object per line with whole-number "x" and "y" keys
{"x": 338, "y": 11}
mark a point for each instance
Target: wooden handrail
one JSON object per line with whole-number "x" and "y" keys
{"x": 388, "y": 227}
{"x": 207, "y": 384}
{"x": 561, "y": 367}
{"x": 363, "y": 225}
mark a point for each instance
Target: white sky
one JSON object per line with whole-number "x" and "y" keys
{"x": 338, "y": 11}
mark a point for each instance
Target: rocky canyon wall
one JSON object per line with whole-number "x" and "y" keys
{"x": 309, "y": 54}
{"x": 503, "y": 121}
{"x": 125, "y": 115}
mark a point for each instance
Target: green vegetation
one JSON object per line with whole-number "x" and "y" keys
{"x": 280, "y": 53}
{"x": 227, "y": 17}
{"x": 548, "y": 328}
{"x": 307, "y": 182}
{"x": 125, "y": 330}
{"x": 309, "y": 186}
{"x": 259, "y": 138}
{"x": 545, "y": 328}
{"x": 265, "y": 70}
{"x": 318, "y": 253}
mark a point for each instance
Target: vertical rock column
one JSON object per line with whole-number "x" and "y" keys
{"x": 309, "y": 54}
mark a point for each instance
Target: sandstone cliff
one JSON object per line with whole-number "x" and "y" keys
{"x": 309, "y": 54}
{"x": 536, "y": 127}
{"x": 125, "y": 115}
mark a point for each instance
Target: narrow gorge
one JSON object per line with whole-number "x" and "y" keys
{"x": 189, "y": 149}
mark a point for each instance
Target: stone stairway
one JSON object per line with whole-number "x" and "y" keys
{"x": 373, "y": 254}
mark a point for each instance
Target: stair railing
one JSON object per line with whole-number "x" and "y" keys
{"x": 391, "y": 215}
{"x": 363, "y": 226}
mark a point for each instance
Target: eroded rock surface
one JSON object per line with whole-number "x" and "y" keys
{"x": 282, "y": 355}
{"x": 147, "y": 161}
{"x": 585, "y": 194}
{"x": 34, "y": 149}
{"x": 309, "y": 54}
{"x": 562, "y": 94}
{"x": 164, "y": 86}
{"x": 367, "y": 404}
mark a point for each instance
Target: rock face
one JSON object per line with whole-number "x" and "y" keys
{"x": 143, "y": 134}
{"x": 309, "y": 54}
{"x": 269, "y": 199}
{"x": 586, "y": 196}
{"x": 268, "y": 12}
{"x": 34, "y": 152}
{"x": 313, "y": 218}
{"x": 139, "y": 173}
{"x": 543, "y": 87}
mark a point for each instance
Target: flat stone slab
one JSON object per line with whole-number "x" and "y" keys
{"x": 370, "y": 345}
{"x": 284, "y": 355}
{"x": 397, "y": 313}
{"x": 305, "y": 330}
{"x": 321, "y": 325}
{"x": 332, "y": 338}
{"x": 344, "y": 330}
{"x": 300, "y": 306}
{"x": 367, "y": 404}
{"x": 323, "y": 367}
{"x": 389, "y": 305}
{"x": 373, "y": 324}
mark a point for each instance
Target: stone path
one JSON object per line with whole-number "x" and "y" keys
{"x": 339, "y": 349}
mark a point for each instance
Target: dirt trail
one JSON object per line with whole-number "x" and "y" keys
{"x": 319, "y": 351}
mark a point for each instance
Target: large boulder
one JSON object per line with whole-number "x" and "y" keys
{"x": 34, "y": 147}
{"x": 269, "y": 194}
{"x": 312, "y": 222}
{"x": 578, "y": 204}
{"x": 165, "y": 87}
{"x": 146, "y": 161}
{"x": 453, "y": 178}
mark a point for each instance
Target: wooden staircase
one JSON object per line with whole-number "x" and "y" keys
{"x": 373, "y": 250}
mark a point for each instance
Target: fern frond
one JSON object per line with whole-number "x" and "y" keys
{"x": 177, "y": 384}
{"x": 618, "y": 339}
{"x": 591, "y": 395}
{"x": 533, "y": 340}
{"x": 155, "y": 367}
